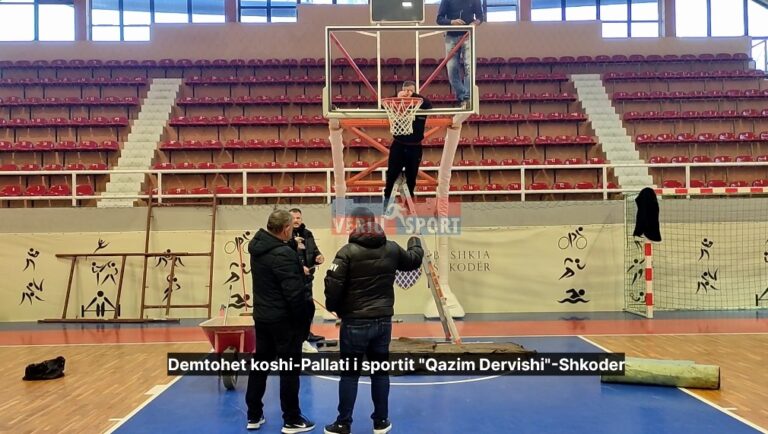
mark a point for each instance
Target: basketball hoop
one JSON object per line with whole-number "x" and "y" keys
{"x": 401, "y": 112}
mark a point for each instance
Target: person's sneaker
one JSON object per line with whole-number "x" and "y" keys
{"x": 314, "y": 338}
{"x": 306, "y": 347}
{"x": 301, "y": 425}
{"x": 337, "y": 428}
{"x": 382, "y": 426}
{"x": 256, "y": 423}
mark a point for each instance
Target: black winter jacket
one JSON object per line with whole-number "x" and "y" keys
{"x": 360, "y": 281}
{"x": 280, "y": 289}
{"x": 310, "y": 252}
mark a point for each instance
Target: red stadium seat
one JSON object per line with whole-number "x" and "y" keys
{"x": 84, "y": 190}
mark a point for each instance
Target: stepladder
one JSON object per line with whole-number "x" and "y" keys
{"x": 428, "y": 265}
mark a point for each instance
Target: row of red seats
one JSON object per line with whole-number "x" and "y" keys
{"x": 562, "y": 140}
{"x": 65, "y": 145}
{"x": 98, "y": 121}
{"x": 183, "y": 63}
{"x": 532, "y": 60}
{"x": 701, "y": 137}
{"x": 716, "y": 183}
{"x": 493, "y": 188}
{"x": 181, "y": 121}
{"x": 41, "y": 190}
{"x": 32, "y": 167}
{"x": 13, "y": 101}
{"x": 683, "y": 75}
{"x": 682, "y": 159}
{"x": 671, "y": 115}
{"x": 488, "y": 162}
{"x": 318, "y": 99}
{"x": 340, "y": 79}
{"x": 320, "y": 143}
{"x": 82, "y": 81}
{"x": 515, "y": 186}
{"x": 694, "y": 94}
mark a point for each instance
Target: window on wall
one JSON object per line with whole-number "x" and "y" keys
{"x": 500, "y": 10}
{"x": 37, "y": 20}
{"x": 705, "y": 18}
{"x": 268, "y": 11}
{"x": 620, "y": 18}
{"x": 130, "y": 20}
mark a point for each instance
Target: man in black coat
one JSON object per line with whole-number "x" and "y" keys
{"x": 359, "y": 287}
{"x": 309, "y": 254}
{"x": 405, "y": 152}
{"x": 282, "y": 311}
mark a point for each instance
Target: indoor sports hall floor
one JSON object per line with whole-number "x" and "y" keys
{"x": 116, "y": 380}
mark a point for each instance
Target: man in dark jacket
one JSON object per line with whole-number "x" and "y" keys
{"x": 405, "y": 151}
{"x": 359, "y": 287}
{"x": 459, "y": 13}
{"x": 304, "y": 242}
{"x": 282, "y": 311}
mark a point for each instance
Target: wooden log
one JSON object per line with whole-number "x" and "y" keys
{"x": 675, "y": 373}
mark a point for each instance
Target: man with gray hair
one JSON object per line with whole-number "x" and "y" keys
{"x": 282, "y": 312}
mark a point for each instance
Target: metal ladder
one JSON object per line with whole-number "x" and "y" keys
{"x": 428, "y": 266}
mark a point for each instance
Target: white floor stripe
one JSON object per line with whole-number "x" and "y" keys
{"x": 161, "y": 387}
{"x": 430, "y": 383}
{"x": 704, "y": 400}
{"x": 105, "y": 343}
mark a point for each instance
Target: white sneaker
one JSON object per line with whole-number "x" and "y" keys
{"x": 306, "y": 347}
{"x": 253, "y": 424}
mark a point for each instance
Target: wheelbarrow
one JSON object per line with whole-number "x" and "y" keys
{"x": 229, "y": 337}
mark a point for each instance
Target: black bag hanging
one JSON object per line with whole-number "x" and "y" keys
{"x": 647, "y": 221}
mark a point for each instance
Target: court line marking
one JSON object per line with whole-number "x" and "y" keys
{"x": 700, "y": 398}
{"x": 430, "y": 383}
{"x": 159, "y": 389}
{"x": 417, "y": 337}
{"x": 103, "y": 343}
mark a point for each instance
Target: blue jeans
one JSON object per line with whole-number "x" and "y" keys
{"x": 461, "y": 86}
{"x": 365, "y": 337}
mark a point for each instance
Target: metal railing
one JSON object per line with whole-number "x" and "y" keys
{"x": 524, "y": 171}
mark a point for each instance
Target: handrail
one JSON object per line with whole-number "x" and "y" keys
{"x": 328, "y": 171}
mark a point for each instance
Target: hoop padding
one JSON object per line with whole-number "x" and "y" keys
{"x": 401, "y": 113}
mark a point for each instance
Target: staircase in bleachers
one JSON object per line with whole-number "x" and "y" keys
{"x": 139, "y": 149}
{"x": 617, "y": 145}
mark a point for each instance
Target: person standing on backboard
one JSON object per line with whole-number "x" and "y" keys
{"x": 459, "y": 13}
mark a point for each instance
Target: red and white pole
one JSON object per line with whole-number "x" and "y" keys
{"x": 649, "y": 279}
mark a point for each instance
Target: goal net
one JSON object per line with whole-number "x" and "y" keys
{"x": 713, "y": 255}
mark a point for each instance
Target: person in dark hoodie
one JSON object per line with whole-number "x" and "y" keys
{"x": 406, "y": 151}
{"x": 459, "y": 13}
{"x": 359, "y": 287}
{"x": 282, "y": 312}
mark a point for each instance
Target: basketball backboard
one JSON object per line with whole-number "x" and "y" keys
{"x": 364, "y": 64}
{"x": 397, "y": 11}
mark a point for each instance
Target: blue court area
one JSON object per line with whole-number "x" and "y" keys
{"x": 448, "y": 405}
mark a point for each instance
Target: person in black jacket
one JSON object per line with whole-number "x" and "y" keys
{"x": 309, "y": 254}
{"x": 459, "y": 13}
{"x": 282, "y": 311}
{"x": 405, "y": 151}
{"x": 359, "y": 287}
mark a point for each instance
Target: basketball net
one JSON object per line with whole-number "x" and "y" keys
{"x": 401, "y": 112}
